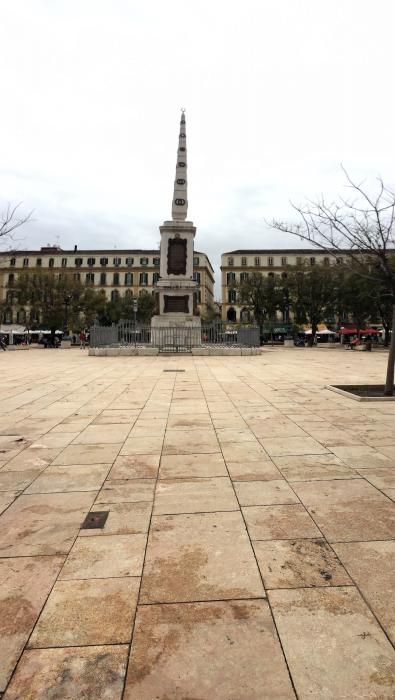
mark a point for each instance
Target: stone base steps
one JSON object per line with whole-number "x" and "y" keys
{"x": 144, "y": 351}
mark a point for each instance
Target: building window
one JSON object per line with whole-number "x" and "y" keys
{"x": 230, "y": 262}
{"x": 39, "y": 262}
{"x": 25, "y": 262}
{"x": 115, "y": 278}
{"x": 326, "y": 262}
{"x": 12, "y": 262}
{"x": 129, "y": 262}
{"x": 8, "y": 316}
{"x": 128, "y": 279}
{"x": 128, "y": 294}
{"x": 103, "y": 278}
{"x": 244, "y": 261}
{"x": 196, "y": 277}
{"x": 21, "y": 316}
{"x": 270, "y": 262}
{"x": 103, "y": 262}
{"x": 339, "y": 261}
{"x": 196, "y": 261}
{"x": 243, "y": 276}
{"x": 283, "y": 261}
{"x": 10, "y": 297}
{"x": 90, "y": 278}
{"x": 117, "y": 262}
{"x": 298, "y": 261}
{"x": 77, "y": 276}
{"x": 230, "y": 278}
{"x": 143, "y": 261}
{"x": 232, "y": 296}
{"x": 312, "y": 261}
{"x": 78, "y": 262}
{"x": 64, "y": 262}
{"x": 155, "y": 277}
{"x": 198, "y": 296}
{"x": 143, "y": 279}
{"x": 91, "y": 262}
{"x": 142, "y": 292}
{"x": 114, "y": 295}
{"x": 11, "y": 279}
{"x": 257, "y": 262}
{"x": 51, "y": 262}
{"x": 270, "y": 274}
{"x": 284, "y": 275}
{"x": 156, "y": 262}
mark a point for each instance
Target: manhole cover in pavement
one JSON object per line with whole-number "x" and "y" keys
{"x": 95, "y": 520}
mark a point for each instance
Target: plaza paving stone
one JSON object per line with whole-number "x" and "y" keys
{"x": 249, "y": 546}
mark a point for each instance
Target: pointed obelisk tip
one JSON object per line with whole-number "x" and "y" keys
{"x": 183, "y": 115}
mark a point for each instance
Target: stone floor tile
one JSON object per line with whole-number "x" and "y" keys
{"x": 355, "y": 452}
{"x": 6, "y": 498}
{"x": 222, "y": 650}
{"x": 381, "y": 477}
{"x": 79, "y": 613}
{"x": 88, "y": 454}
{"x": 81, "y": 672}
{"x": 135, "y": 467}
{"x": 142, "y": 445}
{"x": 283, "y": 522}
{"x": 17, "y": 481}
{"x": 24, "y": 586}
{"x": 191, "y": 465}
{"x": 187, "y": 442}
{"x": 32, "y": 458}
{"x": 390, "y": 493}
{"x": 107, "y": 417}
{"x": 226, "y": 435}
{"x": 76, "y": 477}
{"x": 255, "y": 493}
{"x": 372, "y": 566}
{"x": 292, "y": 446}
{"x": 43, "y": 523}
{"x": 193, "y": 422}
{"x": 114, "y": 433}
{"x": 388, "y": 452}
{"x": 53, "y": 440}
{"x": 337, "y": 491}
{"x": 243, "y": 452}
{"x": 192, "y": 557}
{"x": 72, "y": 426}
{"x": 311, "y": 619}
{"x": 123, "y": 519}
{"x": 275, "y": 427}
{"x": 299, "y": 564}
{"x": 262, "y": 470}
{"x": 313, "y": 467}
{"x": 105, "y": 557}
{"x": 356, "y": 521}
{"x": 194, "y": 495}
{"x": 126, "y": 491}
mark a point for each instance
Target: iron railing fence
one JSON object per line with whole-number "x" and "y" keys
{"x": 179, "y": 338}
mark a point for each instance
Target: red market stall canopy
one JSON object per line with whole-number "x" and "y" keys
{"x": 362, "y": 331}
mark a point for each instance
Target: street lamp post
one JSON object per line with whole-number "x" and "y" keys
{"x": 286, "y": 312}
{"x": 135, "y": 306}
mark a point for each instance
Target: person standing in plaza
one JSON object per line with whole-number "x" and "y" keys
{"x": 82, "y": 339}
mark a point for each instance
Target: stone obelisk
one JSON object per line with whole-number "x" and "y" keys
{"x": 176, "y": 286}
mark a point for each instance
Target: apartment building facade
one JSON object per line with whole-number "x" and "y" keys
{"x": 238, "y": 265}
{"x": 117, "y": 272}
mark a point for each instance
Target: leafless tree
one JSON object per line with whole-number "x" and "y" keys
{"x": 10, "y": 220}
{"x": 361, "y": 231}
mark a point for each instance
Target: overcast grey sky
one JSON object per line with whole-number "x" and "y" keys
{"x": 278, "y": 93}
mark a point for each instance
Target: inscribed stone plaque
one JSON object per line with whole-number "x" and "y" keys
{"x": 176, "y": 304}
{"x": 177, "y": 256}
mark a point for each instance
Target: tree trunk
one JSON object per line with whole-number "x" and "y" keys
{"x": 389, "y": 382}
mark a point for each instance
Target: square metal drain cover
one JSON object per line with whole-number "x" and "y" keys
{"x": 95, "y": 520}
{"x": 174, "y": 370}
